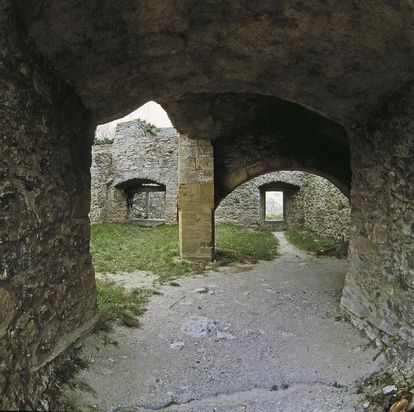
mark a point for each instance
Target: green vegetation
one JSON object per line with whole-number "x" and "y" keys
{"x": 149, "y": 127}
{"x": 101, "y": 142}
{"x": 311, "y": 242}
{"x": 124, "y": 247}
{"x": 119, "y": 247}
{"x": 116, "y": 304}
{"x": 244, "y": 244}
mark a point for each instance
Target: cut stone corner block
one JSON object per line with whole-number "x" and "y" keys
{"x": 201, "y": 254}
{"x": 196, "y": 226}
{"x": 196, "y": 200}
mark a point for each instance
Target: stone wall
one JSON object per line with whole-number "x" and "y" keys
{"x": 47, "y": 285}
{"x": 310, "y": 201}
{"x": 379, "y": 285}
{"x": 136, "y": 154}
{"x": 244, "y": 205}
{"x": 273, "y": 140}
{"x": 196, "y": 199}
{"x": 326, "y": 211}
{"x": 316, "y": 204}
{"x": 102, "y": 178}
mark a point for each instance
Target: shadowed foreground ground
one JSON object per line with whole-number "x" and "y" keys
{"x": 266, "y": 337}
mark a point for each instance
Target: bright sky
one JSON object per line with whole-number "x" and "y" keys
{"x": 151, "y": 112}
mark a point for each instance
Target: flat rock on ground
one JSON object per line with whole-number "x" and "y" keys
{"x": 264, "y": 338}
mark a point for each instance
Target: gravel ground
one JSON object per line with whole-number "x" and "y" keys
{"x": 264, "y": 338}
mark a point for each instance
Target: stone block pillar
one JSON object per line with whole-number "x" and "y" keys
{"x": 196, "y": 199}
{"x": 379, "y": 287}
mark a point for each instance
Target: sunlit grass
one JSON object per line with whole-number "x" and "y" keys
{"x": 310, "y": 241}
{"x": 119, "y": 247}
{"x": 126, "y": 248}
{"x": 117, "y": 304}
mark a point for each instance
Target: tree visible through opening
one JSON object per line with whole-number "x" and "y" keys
{"x": 274, "y": 206}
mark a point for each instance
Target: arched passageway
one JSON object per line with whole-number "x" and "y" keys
{"x": 275, "y": 135}
{"x": 302, "y": 200}
{"x": 67, "y": 65}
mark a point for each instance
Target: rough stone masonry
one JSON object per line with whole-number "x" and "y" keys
{"x": 138, "y": 154}
{"x": 330, "y": 82}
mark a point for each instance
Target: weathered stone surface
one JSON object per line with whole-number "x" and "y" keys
{"x": 380, "y": 282}
{"x": 245, "y": 205}
{"x": 148, "y": 205}
{"x": 275, "y": 135}
{"x": 205, "y": 62}
{"x": 102, "y": 178}
{"x": 198, "y": 326}
{"x": 196, "y": 199}
{"x": 326, "y": 211}
{"x": 47, "y": 288}
{"x": 315, "y": 204}
{"x": 136, "y": 155}
{"x": 118, "y": 55}
{"x": 139, "y": 155}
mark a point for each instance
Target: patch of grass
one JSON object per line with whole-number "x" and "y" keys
{"x": 125, "y": 247}
{"x": 240, "y": 243}
{"x": 311, "y": 242}
{"x": 117, "y": 304}
{"x": 149, "y": 127}
{"x": 102, "y": 142}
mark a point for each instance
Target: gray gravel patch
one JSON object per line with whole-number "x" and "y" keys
{"x": 270, "y": 338}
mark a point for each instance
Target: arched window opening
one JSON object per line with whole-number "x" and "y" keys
{"x": 146, "y": 203}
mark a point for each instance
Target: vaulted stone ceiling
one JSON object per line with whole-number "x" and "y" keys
{"x": 337, "y": 58}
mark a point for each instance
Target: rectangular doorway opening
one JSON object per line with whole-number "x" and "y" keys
{"x": 274, "y": 206}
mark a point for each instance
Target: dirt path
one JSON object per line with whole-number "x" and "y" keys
{"x": 265, "y": 337}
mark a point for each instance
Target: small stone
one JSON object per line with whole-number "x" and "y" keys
{"x": 198, "y": 326}
{"x": 365, "y": 405}
{"x": 389, "y": 389}
{"x": 224, "y": 335}
{"x": 177, "y": 345}
{"x": 44, "y": 404}
{"x": 200, "y": 290}
{"x": 185, "y": 303}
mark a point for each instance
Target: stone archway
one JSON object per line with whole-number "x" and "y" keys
{"x": 66, "y": 65}
{"x": 310, "y": 203}
{"x": 277, "y": 135}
